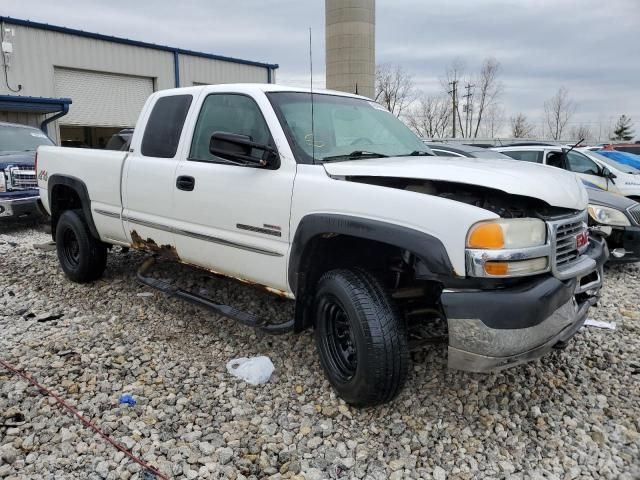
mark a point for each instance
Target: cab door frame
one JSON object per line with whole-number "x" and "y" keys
{"x": 236, "y": 220}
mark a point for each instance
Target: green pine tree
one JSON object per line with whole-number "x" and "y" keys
{"x": 623, "y": 131}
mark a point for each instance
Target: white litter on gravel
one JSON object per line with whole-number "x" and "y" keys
{"x": 589, "y": 322}
{"x": 255, "y": 370}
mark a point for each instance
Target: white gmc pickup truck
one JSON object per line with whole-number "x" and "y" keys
{"x": 348, "y": 214}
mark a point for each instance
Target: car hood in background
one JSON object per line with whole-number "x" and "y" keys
{"x": 552, "y": 185}
{"x": 17, "y": 158}
{"x": 608, "y": 199}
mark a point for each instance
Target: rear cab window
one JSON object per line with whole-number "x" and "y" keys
{"x": 164, "y": 126}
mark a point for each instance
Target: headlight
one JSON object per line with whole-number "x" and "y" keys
{"x": 608, "y": 216}
{"x": 3, "y": 184}
{"x": 507, "y": 233}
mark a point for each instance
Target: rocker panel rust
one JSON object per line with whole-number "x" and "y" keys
{"x": 169, "y": 251}
{"x": 149, "y": 245}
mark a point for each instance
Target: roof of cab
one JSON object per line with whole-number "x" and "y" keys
{"x": 257, "y": 87}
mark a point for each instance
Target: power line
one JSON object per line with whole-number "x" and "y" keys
{"x": 468, "y": 109}
{"x": 454, "y": 94}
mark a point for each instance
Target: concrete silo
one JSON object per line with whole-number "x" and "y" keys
{"x": 350, "y": 45}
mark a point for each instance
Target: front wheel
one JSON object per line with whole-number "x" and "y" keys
{"x": 83, "y": 258}
{"x": 361, "y": 339}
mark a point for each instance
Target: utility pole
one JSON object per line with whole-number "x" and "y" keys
{"x": 467, "y": 109}
{"x": 454, "y": 98}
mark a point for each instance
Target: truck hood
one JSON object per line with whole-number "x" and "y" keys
{"x": 17, "y": 158}
{"x": 554, "y": 186}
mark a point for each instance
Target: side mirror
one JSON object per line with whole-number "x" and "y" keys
{"x": 241, "y": 149}
{"x": 606, "y": 173}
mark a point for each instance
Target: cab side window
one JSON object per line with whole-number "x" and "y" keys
{"x": 579, "y": 163}
{"x": 525, "y": 155}
{"x": 228, "y": 113}
{"x": 164, "y": 126}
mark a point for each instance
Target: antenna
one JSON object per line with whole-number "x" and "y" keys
{"x": 313, "y": 132}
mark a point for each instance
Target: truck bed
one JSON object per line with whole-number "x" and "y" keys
{"x": 99, "y": 170}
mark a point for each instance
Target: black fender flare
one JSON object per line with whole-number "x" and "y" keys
{"x": 427, "y": 248}
{"x": 80, "y": 188}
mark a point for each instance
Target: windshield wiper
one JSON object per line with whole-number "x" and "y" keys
{"x": 355, "y": 155}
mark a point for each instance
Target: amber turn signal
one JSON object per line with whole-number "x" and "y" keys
{"x": 486, "y": 235}
{"x": 496, "y": 268}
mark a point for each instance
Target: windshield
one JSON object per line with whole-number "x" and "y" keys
{"x": 345, "y": 128}
{"x": 612, "y": 163}
{"x": 20, "y": 139}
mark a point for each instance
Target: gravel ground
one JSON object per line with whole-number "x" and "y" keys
{"x": 575, "y": 414}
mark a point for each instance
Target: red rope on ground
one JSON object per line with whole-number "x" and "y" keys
{"x": 84, "y": 420}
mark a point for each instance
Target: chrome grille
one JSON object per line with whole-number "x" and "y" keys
{"x": 566, "y": 251}
{"x": 635, "y": 213}
{"x": 22, "y": 177}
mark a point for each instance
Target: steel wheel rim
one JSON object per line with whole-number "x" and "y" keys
{"x": 338, "y": 338}
{"x": 71, "y": 248}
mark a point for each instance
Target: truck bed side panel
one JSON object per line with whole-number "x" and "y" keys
{"x": 100, "y": 171}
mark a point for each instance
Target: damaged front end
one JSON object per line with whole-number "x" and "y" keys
{"x": 530, "y": 277}
{"x": 494, "y": 328}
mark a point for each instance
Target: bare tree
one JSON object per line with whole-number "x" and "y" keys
{"x": 558, "y": 111}
{"x": 581, "y": 132}
{"x": 520, "y": 126}
{"x": 473, "y": 94}
{"x": 394, "y": 88}
{"x": 430, "y": 117}
{"x": 493, "y": 121}
{"x": 488, "y": 88}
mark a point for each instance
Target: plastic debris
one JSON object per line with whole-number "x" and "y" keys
{"x": 145, "y": 294}
{"x": 254, "y": 370}
{"x": 589, "y": 322}
{"x": 127, "y": 399}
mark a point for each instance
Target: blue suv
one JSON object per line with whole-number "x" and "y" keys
{"x": 18, "y": 184}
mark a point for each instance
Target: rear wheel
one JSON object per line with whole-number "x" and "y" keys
{"x": 83, "y": 258}
{"x": 361, "y": 340}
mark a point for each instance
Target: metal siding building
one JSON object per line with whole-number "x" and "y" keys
{"x": 103, "y": 80}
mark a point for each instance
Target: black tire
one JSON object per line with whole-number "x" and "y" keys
{"x": 361, "y": 339}
{"x": 83, "y": 258}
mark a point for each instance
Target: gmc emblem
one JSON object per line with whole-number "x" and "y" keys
{"x": 582, "y": 239}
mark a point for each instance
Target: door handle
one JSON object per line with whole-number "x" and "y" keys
{"x": 185, "y": 183}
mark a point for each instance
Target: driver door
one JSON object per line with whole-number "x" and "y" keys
{"x": 231, "y": 218}
{"x": 588, "y": 170}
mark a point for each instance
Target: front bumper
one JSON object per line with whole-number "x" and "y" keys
{"x": 627, "y": 238}
{"x": 18, "y": 206}
{"x": 495, "y": 329}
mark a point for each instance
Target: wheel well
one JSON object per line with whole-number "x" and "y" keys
{"x": 392, "y": 265}
{"x": 63, "y": 198}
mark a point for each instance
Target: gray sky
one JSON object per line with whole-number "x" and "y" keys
{"x": 588, "y": 46}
